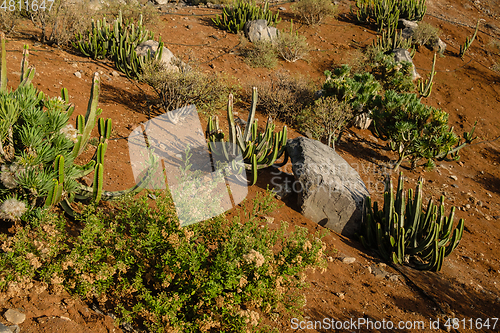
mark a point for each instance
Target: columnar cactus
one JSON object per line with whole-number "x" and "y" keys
{"x": 259, "y": 150}
{"x": 403, "y": 233}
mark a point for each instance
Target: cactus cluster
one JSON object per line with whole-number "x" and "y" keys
{"x": 259, "y": 150}
{"x": 390, "y": 40}
{"x": 38, "y": 147}
{"x": 234, "y": 18}
{"x": 118, "y": 42}
{"x": 402, "y": 232}
{"x": 384, "y": 14}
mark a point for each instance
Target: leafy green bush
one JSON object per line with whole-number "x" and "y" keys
{"x": 314, "y": 11}
{"x": 261, "y": 54}
{"x": 393, "y": 75}
{"x": 38, "y": 146}
{"x": 292, "y": 46}
{"x": 402, "y": 232}
{"x": 177, "y": 89}
{"x": 233, "y": 18}
{"x": 326, "y": 119}
{"x": 415, "y": 131}
{"x": 283, "y": 96}
{"x": 358, "y": 90}
{"x": 217, "y": 275}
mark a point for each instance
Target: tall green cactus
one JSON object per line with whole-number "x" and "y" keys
{"x": 403, "y": 233}
{"x": 259, "y": 150}
{"x": 234, "y": 18}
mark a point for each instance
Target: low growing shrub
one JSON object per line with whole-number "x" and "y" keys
{"x": 314, "y": 11}
{"x": 261, "y": 54}
{"x": 291, "y": 46}
{"x": 136, "y": 261}
{"x": 326, "y": 119}
{"x": 179, "y": 88}
{"x": 283, "y": 96}
{"x": 9, "y": 20}
{"x": 426, "y": 35}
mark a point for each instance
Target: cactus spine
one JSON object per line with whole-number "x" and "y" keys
{"x": 259, "y": 150}
{"x": 402, "y": 232}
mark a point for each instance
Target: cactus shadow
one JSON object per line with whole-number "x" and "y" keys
{"x": 364, "y": 149}
{"x": 135, "y": 101}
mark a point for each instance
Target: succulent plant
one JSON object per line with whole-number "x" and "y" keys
{"x": 38, "y": 147}
{"x": 234, "y": 18}
{"x": 402, "y": 232}
{"x": 259, "y": 150}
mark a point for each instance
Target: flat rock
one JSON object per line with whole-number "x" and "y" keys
{"x": 403, "y": 55}
{"x": 330, "y": 191}
{"x": 14, "y": 316}
{"x": 348, "y": 260}
{"x": 5, "y": 329}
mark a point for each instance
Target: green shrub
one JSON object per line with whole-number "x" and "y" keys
{"x": 402, "y": 232}
{"x": 426, "y": 35}
{"x": 415, "y": 131}
{"x": 179, "y": 88}
{"x": 283, "y": 96}
{"x": 261, "y": 54}
{"x": 291, "y": 46}
{"x": 358, "y": 90}
{"x": 326, "y": 119}
{"x": 393, "y": 75}
{"x": 218, "y": 275}
{"x": 233, "y": 18}
{"x": 314, "y": 11}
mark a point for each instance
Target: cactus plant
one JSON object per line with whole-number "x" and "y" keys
{"x": 425, "y": 87}
{"x": 384, "y": 14}
{"x": 234, "y": 18}
{"x": 38, "y": 147}
{"x": 402, "y": 232}
{"x": 259, "y": 150}
{"x": 118, "y": 41}
{"x": 468, "y": 41}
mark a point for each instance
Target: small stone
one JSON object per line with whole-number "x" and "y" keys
{"x": 115, "y": 73}
{"x": 461, "y": 163}
{"x": 14, "y": 316}
{"x": 394, "y": 278}
{"x": 282, "y": 8}
{"x": 454, "y": 185}
{"x": 479, "y": 203}
{"x": 152, "y": 196}
{"x": 189, "y": 26}
{"x": 340, "y": 295}
{"x": 467, "y": 206}
{"x": 269, "y": 219}
{"x": 4, "y": 329}
{"x": 78, "y": 75}
{"x": 330, "y": 259}
{"x": 369, "y": 269}
{"x": 15, "y": 329}
{"x": 348, "y": 260}
{"x": 75, "y": 65}
{"x": 454, "y": 177}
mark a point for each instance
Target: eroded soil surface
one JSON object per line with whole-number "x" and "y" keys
{"x": 468, "y": 285}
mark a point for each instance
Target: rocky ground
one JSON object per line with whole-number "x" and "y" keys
{"x": 357, "y": 285}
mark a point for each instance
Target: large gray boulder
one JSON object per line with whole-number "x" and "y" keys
{"x": 331, "y": 193}
{"x": 258, "y": 31}
{"x": 168, "y": 59}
